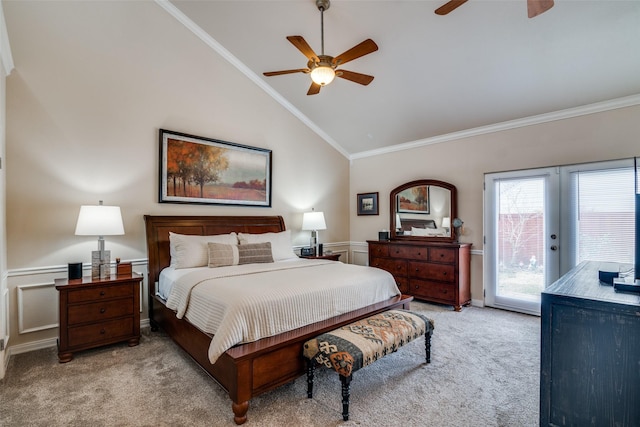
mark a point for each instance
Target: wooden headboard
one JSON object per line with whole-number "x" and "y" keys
{"x": 158, "y": 228}
{"x": 409, "y": 223}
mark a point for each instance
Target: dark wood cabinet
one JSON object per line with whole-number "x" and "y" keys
{"x": 96, "y": 312}
{"x": 590, "y": 353}
{"x": 430, "y": 271}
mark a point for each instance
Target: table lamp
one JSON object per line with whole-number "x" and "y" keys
{"x": 314, "y": 221}
{"x": 100, "y": 221}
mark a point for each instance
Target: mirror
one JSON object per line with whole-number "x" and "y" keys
{"x": 423, "y": 210}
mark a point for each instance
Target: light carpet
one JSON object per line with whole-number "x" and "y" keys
{"x": 484, "y": 371}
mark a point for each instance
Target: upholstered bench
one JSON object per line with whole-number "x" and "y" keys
{"x": 354, "y": 346}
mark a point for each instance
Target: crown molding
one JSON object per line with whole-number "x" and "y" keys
{"x": 613, "y": 104}
{"x": 218, "y": 48}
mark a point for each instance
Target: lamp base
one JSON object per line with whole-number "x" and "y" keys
{"x": 100, "y": 268}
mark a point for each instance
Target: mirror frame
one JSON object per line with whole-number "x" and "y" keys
{"x": 452, "y": 214}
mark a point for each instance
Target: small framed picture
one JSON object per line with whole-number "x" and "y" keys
{"x": 368, "y": 203}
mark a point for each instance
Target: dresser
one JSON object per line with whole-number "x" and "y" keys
{"x": 96, "y": 312}
{"x": 589, "y": 353}
{"x": 429, "y": 271}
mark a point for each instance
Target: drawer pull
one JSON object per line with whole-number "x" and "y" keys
{"x": 441, "y": 255}
{"x": 102, "y": 310}
{"x": 102, "y": 331}
{"x": 101, "y": 293}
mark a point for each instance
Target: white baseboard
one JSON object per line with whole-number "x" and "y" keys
{"x": 46, "y": 343}
{"x": 477, "y": 303}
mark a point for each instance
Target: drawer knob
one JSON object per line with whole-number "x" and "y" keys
{"x": 102, "y": 332}
{"x": 101, "y": 293}
{"x": 441, "y": 255}
{"x": 102, "y": 310}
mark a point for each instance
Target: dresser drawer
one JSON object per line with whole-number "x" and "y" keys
{"x": 103, "y": 292}
{"x": 427, "y": 270}
{"x": 433, "y": 291}
{"x": 442, "y": 255}
{"x": 403, "y": 284}
{"x": 393, "y": 266}
{"x": 100, "y": 332}
{"x": 408, "y": 252}
{"x": 378, "y": 249}
{"x": 98, "y": 311}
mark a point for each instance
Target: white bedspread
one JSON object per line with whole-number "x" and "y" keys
{"x": 245, "y": 303}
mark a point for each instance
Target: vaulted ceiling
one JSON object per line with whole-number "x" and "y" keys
{"x": 485, "y": 65}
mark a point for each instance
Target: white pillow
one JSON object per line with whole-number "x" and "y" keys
{"x": 192, "y": 251}
{"x": 281, "y": 246}
{"x": 426, "y": 232}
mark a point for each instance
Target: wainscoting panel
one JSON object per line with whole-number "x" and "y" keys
{"x": 37, "y": 307}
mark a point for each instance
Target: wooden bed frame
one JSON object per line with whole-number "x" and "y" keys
{"x": 246, "y": 370}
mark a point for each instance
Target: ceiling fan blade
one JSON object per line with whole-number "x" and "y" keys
{"x": 279, "y": 73}
{"x": 449, "y": 7}
{"x": 303, "y": 46}
{"x": 364, "y": 48}
{"x": 314, "y": 89}
{"x": 536, "y": 7}
{"x": 362, "y": 79}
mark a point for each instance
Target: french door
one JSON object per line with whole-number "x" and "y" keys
{"x": 540, "y": 223}
{"x": 522, "y": 239}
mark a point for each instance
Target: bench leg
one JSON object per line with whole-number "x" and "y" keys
{"x": 427, "y": 346}
{"x": 310, "y": 370}
{"x": 346, "y": 382}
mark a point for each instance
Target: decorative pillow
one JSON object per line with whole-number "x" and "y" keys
{"x": 192, "y": 251}
{"x": 221, "y": 255}
{"x": 281, "y": 246}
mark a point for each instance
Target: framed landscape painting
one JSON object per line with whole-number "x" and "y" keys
{"x": 368, "y": 204}
{"x": 414, "y": 200}
{"x": 194, "y": 169}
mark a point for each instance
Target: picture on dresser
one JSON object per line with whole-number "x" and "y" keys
{"x": 414, "y": 200}
{"x": 195, "y": 169}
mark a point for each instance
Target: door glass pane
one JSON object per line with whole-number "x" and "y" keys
{"x": 520, "y": 234}
{"x": 603, "y": 210}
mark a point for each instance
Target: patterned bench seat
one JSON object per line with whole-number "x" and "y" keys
{"x": 354, "y": 346}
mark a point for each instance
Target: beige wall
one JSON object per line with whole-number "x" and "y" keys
{"x": 93, "y": 83}
{"x": 607, "y": 135}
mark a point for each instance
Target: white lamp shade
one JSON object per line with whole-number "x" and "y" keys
{"x": 99, "y": 220}
{"x": 313, "y": 221}
{"x": 323, "y": 75}
{"x": 446, "y": 222}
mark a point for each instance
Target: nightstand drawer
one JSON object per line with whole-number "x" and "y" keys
{"x": 98, "y": 311}
{"x": 100, "y": 332}
{"x": 103, "y": 292}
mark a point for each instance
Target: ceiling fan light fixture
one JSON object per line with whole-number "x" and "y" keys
{"x": 323, "y": 75}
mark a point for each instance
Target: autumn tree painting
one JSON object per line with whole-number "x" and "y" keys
{"x": 414, "y": 199}
{"x": 212, "y": 173}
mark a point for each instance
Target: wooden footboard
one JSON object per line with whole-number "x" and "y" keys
{"x": 248, "y": 370}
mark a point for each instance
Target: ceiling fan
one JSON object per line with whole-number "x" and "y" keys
{"x": 534, "y": 7}
{"x": 324, "y": 68}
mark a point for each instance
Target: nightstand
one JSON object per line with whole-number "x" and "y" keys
{"x": 332, "y": 257}
{"x": 97, "y": 312}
